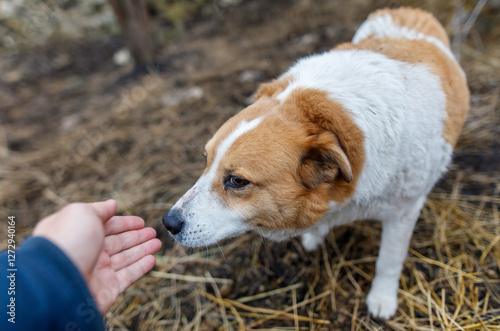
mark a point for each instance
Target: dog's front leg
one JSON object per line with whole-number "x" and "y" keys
{"x": 314, "y": 237}
{"x": 382, "y": 300}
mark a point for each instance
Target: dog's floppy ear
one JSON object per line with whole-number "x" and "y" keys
{"x": 337, "y": 152}
{"x": 324, "y": 161}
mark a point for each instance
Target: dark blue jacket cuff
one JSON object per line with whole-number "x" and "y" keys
{"x": 50, "y": 293}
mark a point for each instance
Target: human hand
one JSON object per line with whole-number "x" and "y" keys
{"x": 111, "y": 252}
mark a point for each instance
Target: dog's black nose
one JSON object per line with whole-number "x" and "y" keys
{"x": 173, "y": 221}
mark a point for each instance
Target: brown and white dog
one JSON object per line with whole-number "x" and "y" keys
{"x": 360, "y": 132}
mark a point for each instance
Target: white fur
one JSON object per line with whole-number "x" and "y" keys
{"x": 383, "y": 26}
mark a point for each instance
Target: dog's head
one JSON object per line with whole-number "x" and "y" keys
{"x": 275, "y": 167}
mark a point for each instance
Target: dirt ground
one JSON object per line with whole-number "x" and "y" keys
{"x": 76, "y": 127}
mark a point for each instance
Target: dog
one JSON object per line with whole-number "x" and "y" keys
{"x": 363, "y": 131}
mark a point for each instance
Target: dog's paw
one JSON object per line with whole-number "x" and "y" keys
{"x": 382, "y": 305}
{"x": 311, "y": 242}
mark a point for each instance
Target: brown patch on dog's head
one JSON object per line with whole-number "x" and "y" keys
{"x": 304, "y": 153}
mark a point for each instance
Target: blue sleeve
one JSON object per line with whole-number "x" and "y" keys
{"x": 48, "y": 290}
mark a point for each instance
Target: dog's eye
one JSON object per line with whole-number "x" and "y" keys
{"x": 204, "y": 154}
{"x": 236, "y": 182}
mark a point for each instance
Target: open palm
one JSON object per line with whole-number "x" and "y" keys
{"x": 111, "y": 252}
{"x": 125, "y": 257}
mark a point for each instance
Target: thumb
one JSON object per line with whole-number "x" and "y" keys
{"x": 104, "y": 209}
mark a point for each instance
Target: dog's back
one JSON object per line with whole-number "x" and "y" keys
{"x": 418, "y": 35}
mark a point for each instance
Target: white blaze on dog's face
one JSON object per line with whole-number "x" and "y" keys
{"x": 269, "y": 167}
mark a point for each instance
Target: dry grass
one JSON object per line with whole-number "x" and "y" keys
{"x": 128, "y": 144}
{"x": 450, "y": 280}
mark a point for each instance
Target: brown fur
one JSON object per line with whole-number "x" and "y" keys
{"x": 324, "y": 161}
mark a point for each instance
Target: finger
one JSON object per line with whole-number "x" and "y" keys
{"x": 119, "y": 224}
{"x": 127, "y": 276}
{"x": 134, "y": 254}
{"x": 104, "y": 209}
{"x": 120, "y": 242}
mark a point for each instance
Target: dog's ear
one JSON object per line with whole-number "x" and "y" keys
{"x": 324, "y": 161}
{"x": 337, "y": 152}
